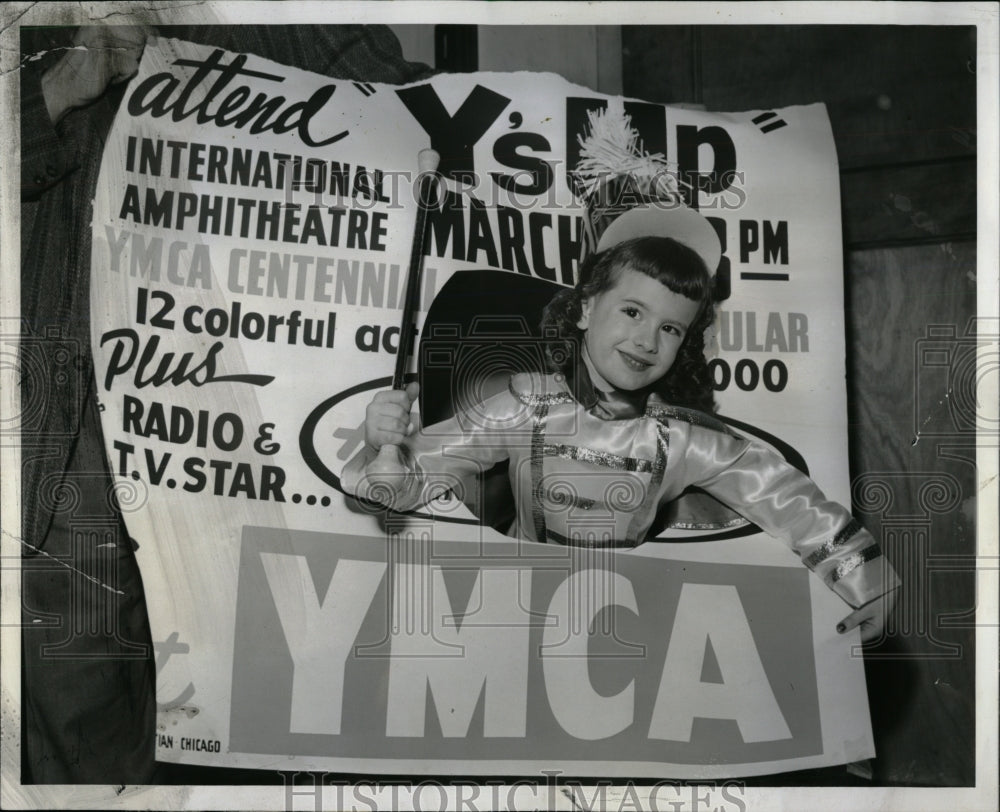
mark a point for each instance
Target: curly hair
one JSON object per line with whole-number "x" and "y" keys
{"x": 689, "y": 381}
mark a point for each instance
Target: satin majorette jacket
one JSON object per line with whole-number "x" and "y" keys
{"x": 589, "y": 471}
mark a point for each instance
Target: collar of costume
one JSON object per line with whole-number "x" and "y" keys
{"x": 602, "y": 399}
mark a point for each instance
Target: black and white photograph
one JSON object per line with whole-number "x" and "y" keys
{"x": 473, "y": 405}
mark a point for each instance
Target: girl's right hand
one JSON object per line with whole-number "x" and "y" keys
{"x": 388, "y": 419}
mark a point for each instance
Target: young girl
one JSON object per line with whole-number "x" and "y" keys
{"x": 619, "y": 426}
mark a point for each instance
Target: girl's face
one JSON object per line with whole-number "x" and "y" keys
{"x": 634, "y": 330}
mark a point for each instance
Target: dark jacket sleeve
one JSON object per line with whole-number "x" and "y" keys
{"x": 45, "y": 160}
{"x": 366, "y": 53}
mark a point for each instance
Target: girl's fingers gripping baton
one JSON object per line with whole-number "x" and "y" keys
{"x": 427, "y": 163}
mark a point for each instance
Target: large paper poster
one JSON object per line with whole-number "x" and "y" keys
{"x": 252, "y": 230}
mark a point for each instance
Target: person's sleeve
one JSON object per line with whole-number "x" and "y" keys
{"x": 45, "y": 160}
{"x": 443, "y": 457}
{"x": 781, "y": 500}
{"x": 363, "y": 53}
{"x": 378, "y": 57}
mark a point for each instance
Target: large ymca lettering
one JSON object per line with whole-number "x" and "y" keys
{"x": 457, "y": 660}
{"x": 480, "y": 656}
{"x": 581, "y": 711}
{"x": 743, "y": 694}
{"x": 319, "y": 670}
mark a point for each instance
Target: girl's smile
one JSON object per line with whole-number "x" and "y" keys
{"x": 634, "y": 330}
{"x": 632, "y": 362}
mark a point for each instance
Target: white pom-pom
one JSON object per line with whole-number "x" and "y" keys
{"x": 612, "y": 149}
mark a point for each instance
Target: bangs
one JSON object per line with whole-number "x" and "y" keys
{"x": 672, "y": 264}
{"x": 661, "y": 258}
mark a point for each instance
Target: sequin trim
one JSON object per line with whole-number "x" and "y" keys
{"x": 537, "y": 455}
{"x": 844, "y": 535}
{"x": 651, "y": 500}
{"x": 737, "y": 522}
{"x": 549, "y": 399}
{"x": 692, "y": 416}
{"x": 604, "y": 459}
{"x": 852, "y": 562}
{"x": 566, "y": 541}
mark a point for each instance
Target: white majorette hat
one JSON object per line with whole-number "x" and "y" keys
{"x": 631, "y": 193}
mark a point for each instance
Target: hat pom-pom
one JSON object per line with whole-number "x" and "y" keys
{"x": 612, "y": 149}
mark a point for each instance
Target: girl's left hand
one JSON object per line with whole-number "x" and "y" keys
{"x": 870, "y": 617}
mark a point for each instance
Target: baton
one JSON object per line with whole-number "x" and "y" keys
{"x": 427, "y": 163}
